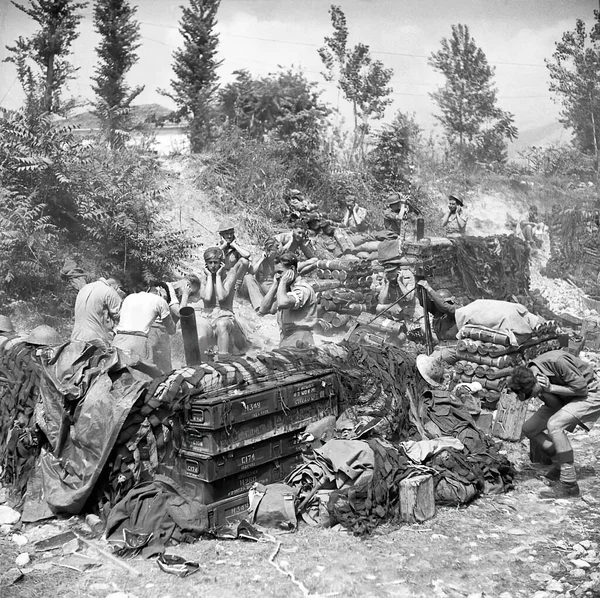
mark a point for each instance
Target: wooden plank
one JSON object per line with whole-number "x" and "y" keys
{"x": 510, "y": 417}
{"x": 417, "y": 503}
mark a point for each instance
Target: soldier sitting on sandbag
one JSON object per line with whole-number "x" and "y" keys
{"x": 397, "y": 284}
{"x": 219, "y": 326}
{"x": 257, "y": 282}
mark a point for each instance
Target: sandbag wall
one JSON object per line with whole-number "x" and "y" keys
{"x": 344, "y": 290}
{"x": 487, "y": 357}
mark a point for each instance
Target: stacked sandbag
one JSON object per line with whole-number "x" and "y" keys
{"x": 343, "y": 289}
{"x": 487, "y": 356}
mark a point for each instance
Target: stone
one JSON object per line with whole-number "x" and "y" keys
{"x": 577, "y": 573}
{"x": 580, "y": 563}
{"x": 19, "y": 540}
{"x": 8, "y": 516}
{"x": 22, "y": 560}
{"x": 554, "y": 586}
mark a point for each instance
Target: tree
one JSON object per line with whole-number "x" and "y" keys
{"x": 362, "y": 80}
{"x": 116, "y": 51}
{"x": 49, "y": 49}
{"x": 285, "y": 105}
{"x": 575, "y": 78}
{"x": 391, "y": 159}
{"x": 467, "y": 101}
{"x": 195, "y": 66}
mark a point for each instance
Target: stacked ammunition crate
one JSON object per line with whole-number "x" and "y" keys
{"x": 227, "y": 440}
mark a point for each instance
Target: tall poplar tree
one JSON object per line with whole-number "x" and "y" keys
{"x": 363, "y": 81}
{"x": 119, "y": 40}
{"x": 48, "y": 49}
{"x": 575, "y": 78}
{"x": 195, "y": 67}
{"x": 472, "y": 121}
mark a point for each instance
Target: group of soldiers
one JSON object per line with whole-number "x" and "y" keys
{"x": 141, "y": 323}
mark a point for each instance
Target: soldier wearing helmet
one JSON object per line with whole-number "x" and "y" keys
{"x": 440, "y": 304}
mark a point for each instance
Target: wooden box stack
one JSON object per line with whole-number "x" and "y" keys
{"x": 227, "y": 440}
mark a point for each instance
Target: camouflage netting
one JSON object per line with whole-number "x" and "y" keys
{"x": 574, "y": 245}
{"x": 106, "y": 425}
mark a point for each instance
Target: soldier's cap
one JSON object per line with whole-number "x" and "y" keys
{"x": 457, "y": 199}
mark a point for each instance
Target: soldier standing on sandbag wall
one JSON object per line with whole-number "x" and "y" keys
{"x": 296, "y": 304}
{"x": 455, "y": 220}
{"x": 234, "y": 255}
{"x": 571, "y": 394}
{"x": 97, "y": 310}
{"x": 396, "y": 214}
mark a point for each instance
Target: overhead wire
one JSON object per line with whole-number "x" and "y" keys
{"x": 294, "y": 43}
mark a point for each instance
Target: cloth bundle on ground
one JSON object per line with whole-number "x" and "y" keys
{"x": 159, "y": 507}
{"x": 359, "y": 481}
{"x": 443, "y": 415}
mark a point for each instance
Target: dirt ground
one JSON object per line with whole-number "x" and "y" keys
{"x": 511, "y": 545}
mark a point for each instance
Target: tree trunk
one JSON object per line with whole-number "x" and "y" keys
{"x": 49, "y": 83}
{"x": 594, "y": 137}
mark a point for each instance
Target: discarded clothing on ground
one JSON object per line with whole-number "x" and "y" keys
{"x": 159, "y": 507}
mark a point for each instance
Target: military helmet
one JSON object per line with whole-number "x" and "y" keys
{"x": 431, "y": 369}
{"x": 6, "y": 325}
{"x": 43, "y": 335}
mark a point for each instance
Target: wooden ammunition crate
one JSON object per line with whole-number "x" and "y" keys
{"x": 210, "y": 469}
{"x": 228, "y": 408}
{"x": 239, "y": 483}
{"x": 215, "y": 442}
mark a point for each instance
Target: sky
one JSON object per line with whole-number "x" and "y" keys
{"x": 262, "y": 35}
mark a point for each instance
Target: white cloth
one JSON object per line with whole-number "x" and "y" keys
{"x": 497, "y": 315}
{"x": 140, "y": 310}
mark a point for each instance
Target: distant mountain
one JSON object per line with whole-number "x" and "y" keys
{"x": 550, "y": 134}
{"x": 144, "y": 113}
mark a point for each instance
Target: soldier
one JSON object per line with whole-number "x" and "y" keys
{"x": 97, "y": 310}
{"x": 455, "y": 220}
{"x": 296, "y": 303}
{"x": 219, "y": 325}
{"x": 570, "y": 391}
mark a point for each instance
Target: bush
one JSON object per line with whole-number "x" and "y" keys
{"x": 57, "y": 193}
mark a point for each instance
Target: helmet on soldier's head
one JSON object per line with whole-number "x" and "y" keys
{"x": 226, "y": 225}
{"x": 446, "y": 295}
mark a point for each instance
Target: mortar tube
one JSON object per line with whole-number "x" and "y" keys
{"x": 189, "y": 333}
